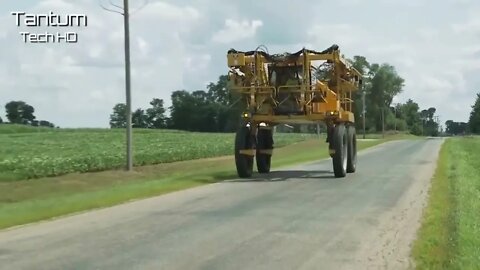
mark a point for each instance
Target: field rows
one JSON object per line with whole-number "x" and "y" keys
{"x": 27, "y": 155}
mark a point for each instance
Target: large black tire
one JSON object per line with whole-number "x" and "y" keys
{"x": 331, "y": 148}
{"x": 352, "y": 149}
{"x": 244, "y": 163}
{"x": 264, "y": 141}
{"x": 340, "y": 144}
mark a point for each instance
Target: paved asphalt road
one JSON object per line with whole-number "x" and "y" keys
{"x": 300, "y": 218}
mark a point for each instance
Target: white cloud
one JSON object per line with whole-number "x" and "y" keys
{"x": 348, "y": 36}
{"x": 349, "y": 2}
{"x": 143, "y": 46}
{"x": 388, "y": 49}
{"x": 182, "y": 45}
{"x": 237, "y": 30}
{"x": 471, "y": 26}
{"x": 413, "y": 4}
{"x": 197, "y": 63}
{"x": 169, "y": 12}
{"x": 428, "y": 33}
{"x": 78, "y": 84}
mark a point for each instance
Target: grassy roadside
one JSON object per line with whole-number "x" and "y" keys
{"x": 29, "y": 201}
{"x": 449, "y": 237}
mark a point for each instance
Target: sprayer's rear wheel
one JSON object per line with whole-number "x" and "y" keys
{"x": 352, "y": 149}
{"x": 339, "y": 143}
{"x": 264, "y": 142}
{"x": 244, "y": 163}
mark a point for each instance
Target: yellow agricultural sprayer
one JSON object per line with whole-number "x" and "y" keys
{"x": 293, "y": 88}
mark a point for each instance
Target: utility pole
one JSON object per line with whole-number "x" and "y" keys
{"x": 437, "y": 120}
{"x": 126, "y": 24}
{"x": 128, "y": 93}
{"x": 423, "y": 127}
{"x": 395, "y": 120}
{"x": 363, "y": 110}
{"x": 383, "y": 122}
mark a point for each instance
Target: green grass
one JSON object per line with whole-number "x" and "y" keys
{"x": 13, "y": 128}
{"x": 450, "y": 234}
{"x": 388, "y": 135}
{"x": 28, "y": 152}
{"x": 28, "y": 201}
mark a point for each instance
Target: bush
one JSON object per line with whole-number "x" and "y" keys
{"x": 402, "y": 124}
{"x": 416, "y": 129}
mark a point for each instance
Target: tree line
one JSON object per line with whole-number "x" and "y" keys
{"x": 211, "y": 110}
{"x": 19, "y": 112}
{"x": 381, "y": 84}
{"x": 217, "y": 110}
{"x": 462, "y": 128}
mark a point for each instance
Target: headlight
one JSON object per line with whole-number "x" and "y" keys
{"x": 331, "y": 113}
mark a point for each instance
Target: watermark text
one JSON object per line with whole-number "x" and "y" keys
{"x": 50, "y": 20}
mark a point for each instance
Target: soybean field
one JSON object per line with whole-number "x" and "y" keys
{"x": 27, "y": 153}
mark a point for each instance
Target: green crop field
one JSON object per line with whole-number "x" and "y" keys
{"x": 450, "y": 234}
{"x": 27, "y": 152}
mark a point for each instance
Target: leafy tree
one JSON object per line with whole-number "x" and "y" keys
{"x": 401, "y": 124}
{"x": 429, "y": 126}
{"x": 139, "y": 119}
{"x": 1, "y": 120}
{"x": 181, "y": 110}
{"x": 156, "y": 114}
{"x": 474, "y": 120}
{"x": 431, "y": 113}
{"x": 397, "y": 119}
{"x": 228, "y": 104}
{"x": 218, "y": 92}
{"x": 192, "y": 111}
{"x": 424, "y": 115}
{"x": 409, "y": 112}
{"x": 230, "y": 109}
{"x": 381, "y": 83}
{"x": 214, "y": 110}
{"x": 416, "y": 129}
{"x": 455, "y": 128}
{"x": 462, "y": 128}
{"x": 449, "y": 126}
{"x": 19, "y": 112}
{"x": 44, "y": 123}
{"x": 205, "y": 115}
{"x": 361, "y": 64}
{"x": 385, "y": 84}
{"x": 118, "y": 119}
{"x": 390, "y": 120}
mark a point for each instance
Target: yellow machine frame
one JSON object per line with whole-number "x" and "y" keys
{"x": 320, "y": 100}
{"x": 327, "y": 99}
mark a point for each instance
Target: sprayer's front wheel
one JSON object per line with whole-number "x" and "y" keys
{"x": 352, "y": 149}
{"x": 243, "y": 162}
{"x": 264, "y": 148}
{"x": 339, "y": 144}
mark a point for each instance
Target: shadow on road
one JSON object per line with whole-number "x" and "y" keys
{"x": 286, "y": 175}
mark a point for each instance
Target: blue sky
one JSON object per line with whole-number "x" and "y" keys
{"x": 434, "y": 45}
